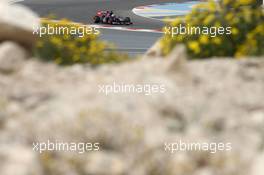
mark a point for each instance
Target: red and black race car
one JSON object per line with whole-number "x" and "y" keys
{"x": 108, "y": 17}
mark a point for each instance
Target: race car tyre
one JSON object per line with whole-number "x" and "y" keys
{"x": 97, "y": 19}
{"x": 127, "y": 20}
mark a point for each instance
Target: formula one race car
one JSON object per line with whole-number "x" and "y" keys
{"x": 108, "y": 17}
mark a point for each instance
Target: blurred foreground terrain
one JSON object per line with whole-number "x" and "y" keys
{"x": 217, "y": 100}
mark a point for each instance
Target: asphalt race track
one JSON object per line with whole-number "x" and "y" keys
{"x": 83, "y": 11}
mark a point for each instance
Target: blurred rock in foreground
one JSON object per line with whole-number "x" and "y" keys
{"x": 218, "y": 100}
{"x": 213, "y": 101}
{"x": 17, "y": 23}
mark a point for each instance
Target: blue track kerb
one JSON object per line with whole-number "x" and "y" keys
{"x": 160, "y": 11}
{"x": 176, "y": 6}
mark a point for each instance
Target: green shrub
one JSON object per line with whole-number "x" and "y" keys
{"x": 73, "y": 43}
{"x": 243, "y": 18}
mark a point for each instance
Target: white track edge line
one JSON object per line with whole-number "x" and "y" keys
{"x": 117, "y": 28}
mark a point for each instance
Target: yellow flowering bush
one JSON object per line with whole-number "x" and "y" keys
{"x": 254, "y": 44}
{"x": 67, "y": 43}
{"x": 239, "y": 25}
